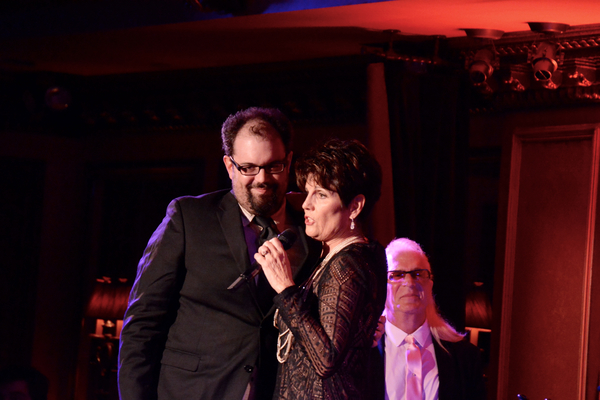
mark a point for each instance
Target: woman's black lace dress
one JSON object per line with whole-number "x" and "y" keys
{"x": 333, "y": 320}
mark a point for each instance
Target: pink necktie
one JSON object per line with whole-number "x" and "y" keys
{"x": 413, "y": 370}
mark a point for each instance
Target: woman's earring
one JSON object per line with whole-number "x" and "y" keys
{"x": 352, "y": 224}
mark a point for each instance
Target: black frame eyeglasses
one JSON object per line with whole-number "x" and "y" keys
{"x": 416, "y": 274}
{"x": 251, "y": 170}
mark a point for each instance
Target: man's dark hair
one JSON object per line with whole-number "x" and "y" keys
{"x": 272, "y": 116}
{"x": 37, "y": 383}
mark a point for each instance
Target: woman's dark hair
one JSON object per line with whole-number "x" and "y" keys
{"x": 344, "y": 166}
{"x": 272, "y": 116}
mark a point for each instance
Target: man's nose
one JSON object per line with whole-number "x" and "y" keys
{"x": 261, "y": 176}
{"x": 409, "y": 280}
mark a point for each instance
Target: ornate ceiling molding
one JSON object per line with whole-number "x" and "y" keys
{"x": 513, "y": 84}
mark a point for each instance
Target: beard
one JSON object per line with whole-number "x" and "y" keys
{"x": 266, "y": 204}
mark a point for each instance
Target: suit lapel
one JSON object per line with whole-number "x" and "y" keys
{"x": 446, "y": 371}
{"x": 229, "y": 218}
{"x": 231, "y": 226}
{"x": 445, "y": 363}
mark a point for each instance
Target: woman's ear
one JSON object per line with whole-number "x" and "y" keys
{"x": 356, "y": 206}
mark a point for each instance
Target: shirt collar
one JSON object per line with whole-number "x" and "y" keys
{"x": 396, "y": 335}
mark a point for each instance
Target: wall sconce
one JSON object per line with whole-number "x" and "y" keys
{"x": 478, "y": 308}
{"x": 478, "y": 318}
{"x": 57, "y": 98}
{"x": 108, "y": 303}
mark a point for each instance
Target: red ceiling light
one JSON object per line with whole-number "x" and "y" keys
{"x": 544, "y": 60}
{"x": 546, "y": 56}
{"x": 482, "y": 64}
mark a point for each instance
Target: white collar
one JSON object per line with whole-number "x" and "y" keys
{"x": 396, "y": 335}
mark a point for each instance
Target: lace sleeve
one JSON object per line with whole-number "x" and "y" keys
{"x": 326, "y": 337}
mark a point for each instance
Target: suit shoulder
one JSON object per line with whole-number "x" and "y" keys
{"x": 203, "y": 199}
{"x": 462, "y": 348}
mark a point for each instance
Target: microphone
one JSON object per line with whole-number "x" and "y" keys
{"x": 287, "y": 239}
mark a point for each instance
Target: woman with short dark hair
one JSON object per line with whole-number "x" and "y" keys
{"x": 326, "y": 325}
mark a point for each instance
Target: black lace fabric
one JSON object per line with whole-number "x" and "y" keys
{"x": 333, "y": 320}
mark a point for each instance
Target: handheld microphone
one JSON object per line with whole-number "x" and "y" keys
{"x": 287, "y": 239}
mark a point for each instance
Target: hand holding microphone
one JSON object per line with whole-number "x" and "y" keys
{"x": 287, "y": 239}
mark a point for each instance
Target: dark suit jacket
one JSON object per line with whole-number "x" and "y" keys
{"x": 460, "y": 371}
{"x": 185, "y": 336}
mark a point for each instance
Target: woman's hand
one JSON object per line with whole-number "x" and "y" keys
{"x": 275, "y": 264}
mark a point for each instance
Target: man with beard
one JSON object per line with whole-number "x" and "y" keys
{"x": 185, "y": 334}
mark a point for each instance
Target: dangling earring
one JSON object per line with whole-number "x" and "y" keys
{"x": 351, "y": 223}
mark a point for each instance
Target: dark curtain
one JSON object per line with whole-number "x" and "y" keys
{"x": 429, "y": 138}
{"x": 21, "y": 204}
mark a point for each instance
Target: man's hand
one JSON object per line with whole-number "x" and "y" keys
{"x": 379, "y": 331}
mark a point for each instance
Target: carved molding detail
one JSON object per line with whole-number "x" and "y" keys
{"x": 513, "y": 85}
{"x": 511, "y": 49}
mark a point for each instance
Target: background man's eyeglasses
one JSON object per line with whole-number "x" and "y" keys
{"x": 416, "y": 274}
{"x": 251, "y": 170}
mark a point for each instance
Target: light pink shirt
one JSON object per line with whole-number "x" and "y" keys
{"x": 395, "y": 362}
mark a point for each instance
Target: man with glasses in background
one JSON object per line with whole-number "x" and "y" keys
{"x": 189, "y": 333}
{"x": 420, "y": 355}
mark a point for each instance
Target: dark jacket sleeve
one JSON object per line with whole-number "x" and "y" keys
{"x": 152, "y": 308}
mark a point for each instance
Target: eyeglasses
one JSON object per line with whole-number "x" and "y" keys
{"x": 251, "y": 170}
{"x": 416, "y": 274}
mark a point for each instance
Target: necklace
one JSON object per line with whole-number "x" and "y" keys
{"x": 286, "y": 338}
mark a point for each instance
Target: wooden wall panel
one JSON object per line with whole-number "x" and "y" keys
{"x": 548, "y": 263}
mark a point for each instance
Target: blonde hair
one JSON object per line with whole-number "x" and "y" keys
{"x": 440, "y": 328}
